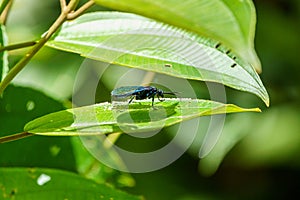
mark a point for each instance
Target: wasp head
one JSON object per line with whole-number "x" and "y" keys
{"x": 160, "y": 93}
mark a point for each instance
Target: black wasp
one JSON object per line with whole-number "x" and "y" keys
{"x": 139, "y": 92}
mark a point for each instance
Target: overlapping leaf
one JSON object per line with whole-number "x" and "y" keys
{"x": 134, "y": 41}
{"x": 231, "y": 22}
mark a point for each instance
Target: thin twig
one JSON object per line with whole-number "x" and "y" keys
{"x": 63, "y": 5}
{"x": 66, "y": 10}
{"x": 17, "y": 46}
{"x": 5, "y": 6}
{"x": 111, "y": 139}
{"x": 78, "y": 12}
{"x": 17, "y": 136}
{"x": 22, "y": 63}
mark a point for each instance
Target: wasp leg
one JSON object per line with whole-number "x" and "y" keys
{"x": 160, "y": 99}
{"x": 131, "y": 99}
{"x": 152, "y": 101}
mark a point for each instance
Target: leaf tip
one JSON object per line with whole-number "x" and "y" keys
{"x": 267, "y": 103}
{"x": 257, "y": 110}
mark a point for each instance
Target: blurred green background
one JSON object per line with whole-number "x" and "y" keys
{"x": 265, "y": 162}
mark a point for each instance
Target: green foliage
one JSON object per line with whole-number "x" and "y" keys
{"x": 39, "y": 183}
{"x": 207, "y": 40}
{"x": 104, "y": 118}
{"x": 135, "y": 45}
{"x": 231, "y": 22}
{"x": 18, "y": 106}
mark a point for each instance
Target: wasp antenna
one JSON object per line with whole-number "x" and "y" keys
{"x": 169, "y": 93}
{"x": 172, "y": 93}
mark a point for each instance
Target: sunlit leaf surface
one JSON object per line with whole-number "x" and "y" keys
{"x": 138, "y": 42}
{"x": 231, "y": 22}
{"x": 105, "y": 118}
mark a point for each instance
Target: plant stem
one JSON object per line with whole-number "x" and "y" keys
{"x": 22, "y": 63}
{"x": 17, "y": 46}
{"x": 80, "y": 10}
{"x": 66, "y": 10}
{"x": 3, "y": 5}
{"x": 4, "y": 9}
{"x": 14, "y": 137}
{"x": 63, "y": 5}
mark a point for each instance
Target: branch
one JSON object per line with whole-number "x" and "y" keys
{"x": 67, "y": 12}
{"x": 4, "y": 8}
{"x": 63, "y": 5}
{"x": 22, "y": 63}
{"x": 78, "y": 12}
{"x": 14, "y": 137}
{"x": 17, "y": 46}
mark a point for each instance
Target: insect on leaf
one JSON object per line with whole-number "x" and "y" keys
{"x": 104, "y": 118}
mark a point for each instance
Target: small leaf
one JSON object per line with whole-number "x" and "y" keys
{"x": 231, "y": 22}
{"x": 104, "y": 118}
{"x": 138, "y": 42}
{"x": 38, "y": 183}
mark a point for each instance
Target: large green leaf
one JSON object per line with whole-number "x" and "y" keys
{"x": 19, "y": 105}
{"x": 134, "y": 41}
{"x": 37, "y": 183}
{"x": 231, "y": 22}
{"x": 105, "y": 118}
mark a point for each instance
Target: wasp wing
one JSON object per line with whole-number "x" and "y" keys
{"x": 124, "y": 92}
